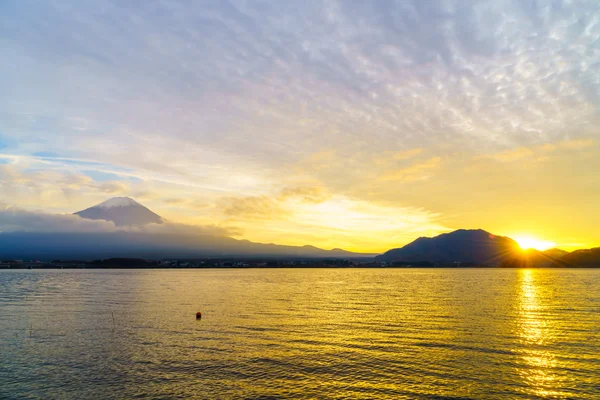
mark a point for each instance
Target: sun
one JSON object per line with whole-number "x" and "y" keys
{"x": 528, "y": 242}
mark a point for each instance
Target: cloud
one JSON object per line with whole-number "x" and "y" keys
{"x": 513, "y": 154}
{"x": 15, "y": 219}
{"x": 176, "y": 229}
{"x": 255, "y": 207}
{"x": 417, "y": 171}
{"x": 114, "y": 187}
{"x": 305, "y": 194}
{"x": 278, "y": 206}
{"x": 321, "y": 75}
{"x": 175, "y": 201}
{"x": 407, "y": 154}
{"x": 29, "y": 184}
{"x": 541, "y": 151}
{"x": 301, "y": 215}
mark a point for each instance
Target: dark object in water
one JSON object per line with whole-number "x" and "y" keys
{"x": 198, "y": 315}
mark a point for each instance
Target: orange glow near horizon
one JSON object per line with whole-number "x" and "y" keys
{"x": 529, "y": 242}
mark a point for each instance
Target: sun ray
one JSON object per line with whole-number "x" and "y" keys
{"x": 529, "y": 242}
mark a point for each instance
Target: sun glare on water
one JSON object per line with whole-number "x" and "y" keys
{"x": 527, "y": 242}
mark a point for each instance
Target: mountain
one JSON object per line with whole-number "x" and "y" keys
{"x": 589, "y": 258}
{"x": 134, "y": 244}
{"x": 166, "y": 240}
{"x": 123, "y": 211}
{"x": 465, "y": 246}
{"x": 555, "y": 253}
{"x": 532, "y": 258}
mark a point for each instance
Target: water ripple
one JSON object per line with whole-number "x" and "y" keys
{"x": 270, "y": 334}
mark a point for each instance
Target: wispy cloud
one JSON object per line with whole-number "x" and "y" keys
{"x": 538, "y": 153}
{"x": 416, "y": 171}
{"x": 273, "y": 206}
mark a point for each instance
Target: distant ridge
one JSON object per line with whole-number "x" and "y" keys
{"x": 587, "y": 258}
{"x": 555, "y": 253}
{"x": 123, "y": 211}
{"x": 481, "y": 248}
{"x": 462, "y": 246}
{"x": 140, "y": 244}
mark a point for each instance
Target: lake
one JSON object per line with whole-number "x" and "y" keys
{"x": 300, "y": 333}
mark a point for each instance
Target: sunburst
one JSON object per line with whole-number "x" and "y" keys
{"x": 529, "y": 242}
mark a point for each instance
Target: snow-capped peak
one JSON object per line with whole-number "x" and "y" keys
{"x": 123, "y": 211}
{"x": 118, "y": 202}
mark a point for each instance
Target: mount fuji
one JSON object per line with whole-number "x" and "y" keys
{"x": 158, "y": 238}
{"x": 123, "y": 211}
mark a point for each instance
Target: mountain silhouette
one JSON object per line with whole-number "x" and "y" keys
{"x": 587, "y": 258}
{"x": 555, "y": 253}
{"x": 462, "y": 246}
{"x": 532, "y": 258}
{"x": 123, "y": 211}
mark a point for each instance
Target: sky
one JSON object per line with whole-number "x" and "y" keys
{"x": 357, "y": 125}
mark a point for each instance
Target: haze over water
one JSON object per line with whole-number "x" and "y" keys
{"x": 291, "y": 333}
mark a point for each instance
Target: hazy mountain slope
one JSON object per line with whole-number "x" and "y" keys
{"x": 555, "y": 253}
{"x": 47, "y": 246}
{"x": 531, "y": 258}
{"x": 589, "y": 258}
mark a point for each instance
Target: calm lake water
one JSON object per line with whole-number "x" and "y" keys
{"x": 300, "y": 333}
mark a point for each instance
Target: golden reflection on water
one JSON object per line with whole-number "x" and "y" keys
{"x": 310, "y": 333}
{"x": 536, "y": 333}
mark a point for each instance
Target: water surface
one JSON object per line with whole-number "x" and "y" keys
{"x": 300, "y": 333}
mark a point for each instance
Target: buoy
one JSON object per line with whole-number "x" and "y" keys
{"x": 198, "y": 315}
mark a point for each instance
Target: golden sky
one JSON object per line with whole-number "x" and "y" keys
{"x": 336, "y": 124}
